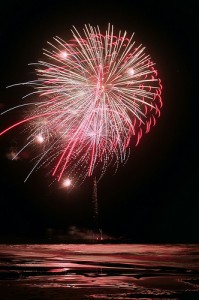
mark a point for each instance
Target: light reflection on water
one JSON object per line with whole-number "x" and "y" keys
{"x": 99, "y": 271}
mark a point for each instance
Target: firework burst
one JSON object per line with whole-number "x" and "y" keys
{"x": 93, "y": 96}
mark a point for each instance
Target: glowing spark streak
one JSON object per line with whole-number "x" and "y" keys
{"x": 18, "y": 106}
{"x": 22, "y": 149}
{"x": 24, "y": 121}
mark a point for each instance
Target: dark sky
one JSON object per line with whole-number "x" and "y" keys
{"x": 154, "y": 197}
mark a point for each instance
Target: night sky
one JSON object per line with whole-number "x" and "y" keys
{"x": 154, "y": 197}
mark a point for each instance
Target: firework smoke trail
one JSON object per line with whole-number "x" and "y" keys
{"x": 92, "y": 96}
{"x": 95, "y": 205}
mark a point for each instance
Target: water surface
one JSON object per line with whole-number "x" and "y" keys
{"x": 99, "y": 271}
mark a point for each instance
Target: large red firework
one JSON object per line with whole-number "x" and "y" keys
{"x": 92, "y": 96}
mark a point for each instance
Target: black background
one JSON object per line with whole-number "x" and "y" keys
{"x": 154, "y": 197}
